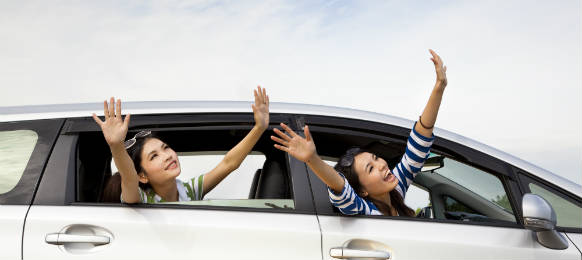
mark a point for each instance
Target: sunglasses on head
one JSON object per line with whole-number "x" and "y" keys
{"x": 131, "y": 142}
{"x": 348, "y": 159}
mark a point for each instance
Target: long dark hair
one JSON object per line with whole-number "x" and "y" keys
{"x": 345, "y": 165}
{"x": 112, "y": 190}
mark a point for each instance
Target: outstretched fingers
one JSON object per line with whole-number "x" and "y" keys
{"x": 282, "y": 148}
{"x": 279, "y": 140}
{"x": 289, "y": 130}
{"x": 307, "y": 133}
{"x": 105, "y": 110}
{"x": 267, "y": 100}
{"x": 118, "y": 109}
{"x": 284, "y": 136}
{"x": 97, "y": 120}
{"x": 111, "y": 111}
{"x": 126, "y": 120}
{"x": 261, "y": 96}
{"x": 436, "y": 59}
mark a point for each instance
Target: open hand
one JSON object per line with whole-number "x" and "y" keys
{"x": 114, "y": 128}
{"x": 441, "y": 70}
{"x": 302, "y": 149}
{"x": 261, "y": 108}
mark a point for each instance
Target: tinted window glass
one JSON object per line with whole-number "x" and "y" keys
{"x": 568, "y": 214}
{"x": 454, "y": 205}
{"x": 485, "y": 185}
{"x": 16, "y": 147}
{"x": 467, "y": 193}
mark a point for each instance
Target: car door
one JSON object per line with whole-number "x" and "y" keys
{"x": 475, "y": 215}
{"x": 24, "y": 149}
{"x": 67, "y": 221}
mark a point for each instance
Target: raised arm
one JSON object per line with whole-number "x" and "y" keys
{"x": 238, "y": 153}
{"x": 303, "y": 149}
{"x": 114, "y": 130}
{"x": 429, "y": 115}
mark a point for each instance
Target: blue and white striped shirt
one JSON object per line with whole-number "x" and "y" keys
{"x": 417, "y": 150}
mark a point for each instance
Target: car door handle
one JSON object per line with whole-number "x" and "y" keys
{"x": 61, "y": 239}
{"x": 344, "y": 253}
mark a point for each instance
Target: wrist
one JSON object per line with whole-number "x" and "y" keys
{"x": 116, "y": 146}
{"x": 313, "y": 158}
{"x": 261, "y": 128}
{"x": 439, "y": 87}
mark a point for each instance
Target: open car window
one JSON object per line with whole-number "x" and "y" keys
{"x": 263, "y": 179}
{"x": 238, "y": 189}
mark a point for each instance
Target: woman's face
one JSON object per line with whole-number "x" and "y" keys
{"x": 159, "y": 162}
{"x": 375, "y": 177}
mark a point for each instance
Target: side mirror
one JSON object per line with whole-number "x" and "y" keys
{"x": 540, "y": 217}
{"x": 433, "y": 163}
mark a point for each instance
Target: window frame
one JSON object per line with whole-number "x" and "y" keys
{"x": 391, "y": 133}
{"x": 527, "y": 178}
{"x": 47, "y": 130}
{"x": 63, "y": 176}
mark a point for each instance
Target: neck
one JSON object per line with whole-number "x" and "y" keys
{"x": 385, "y": 199}
{"x": 167, "y": 191}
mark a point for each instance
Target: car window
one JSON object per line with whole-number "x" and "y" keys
{"x": 467, "y": 193}
{"x": 567, "y": 213}
{"x": 235, "y": 190}
{"x": 16, "y": 148}
{"x": 417, "y": 198}
{"x": 454, "y": 205}
{"x": 235, "y": 186}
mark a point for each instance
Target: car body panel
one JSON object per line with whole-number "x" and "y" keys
{"x": 170, "y": 233}
{"x": 409, "y": 239}
{"x": 174, "y": 231}
{"x": 576, "y": 238}
{"x": 11, "y": 225}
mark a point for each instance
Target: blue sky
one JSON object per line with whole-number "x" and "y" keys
{"x": 514, "y": 67}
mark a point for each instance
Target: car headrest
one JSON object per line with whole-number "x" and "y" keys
{"x": 273, "y": 182}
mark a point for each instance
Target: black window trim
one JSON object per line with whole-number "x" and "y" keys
{"x": 206, "y": 121}
{"x": 453, "y": 150}
{"x": 47, "y": 130}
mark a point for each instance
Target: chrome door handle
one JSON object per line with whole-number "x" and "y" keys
{"x": 344, "y": 253}
{"x": 61, "y": 239}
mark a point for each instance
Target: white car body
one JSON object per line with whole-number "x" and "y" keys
{"x": 152, "y": 232}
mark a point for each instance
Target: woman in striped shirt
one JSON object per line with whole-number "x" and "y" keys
{"x": 361, "y": 182}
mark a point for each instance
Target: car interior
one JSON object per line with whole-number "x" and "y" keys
{"x": 271, "y": 182}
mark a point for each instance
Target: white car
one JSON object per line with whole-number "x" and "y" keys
{"x": 473, "y": 201}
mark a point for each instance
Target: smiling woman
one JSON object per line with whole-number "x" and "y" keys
{"x": 361, "y": 182}
{"x": 148, "y": 167}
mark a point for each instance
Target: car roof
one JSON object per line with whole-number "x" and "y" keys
{"x": 33, "y": 112}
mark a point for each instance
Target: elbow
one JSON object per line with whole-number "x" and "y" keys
{"x": 230, "y": 164}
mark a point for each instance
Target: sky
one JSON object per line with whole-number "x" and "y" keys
{"x": 514, "y": 67}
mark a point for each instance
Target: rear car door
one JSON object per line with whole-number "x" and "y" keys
{"x": 473, "y": 203}
{"x": 24, "y": 149}
{"x": 68, "y": 221}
